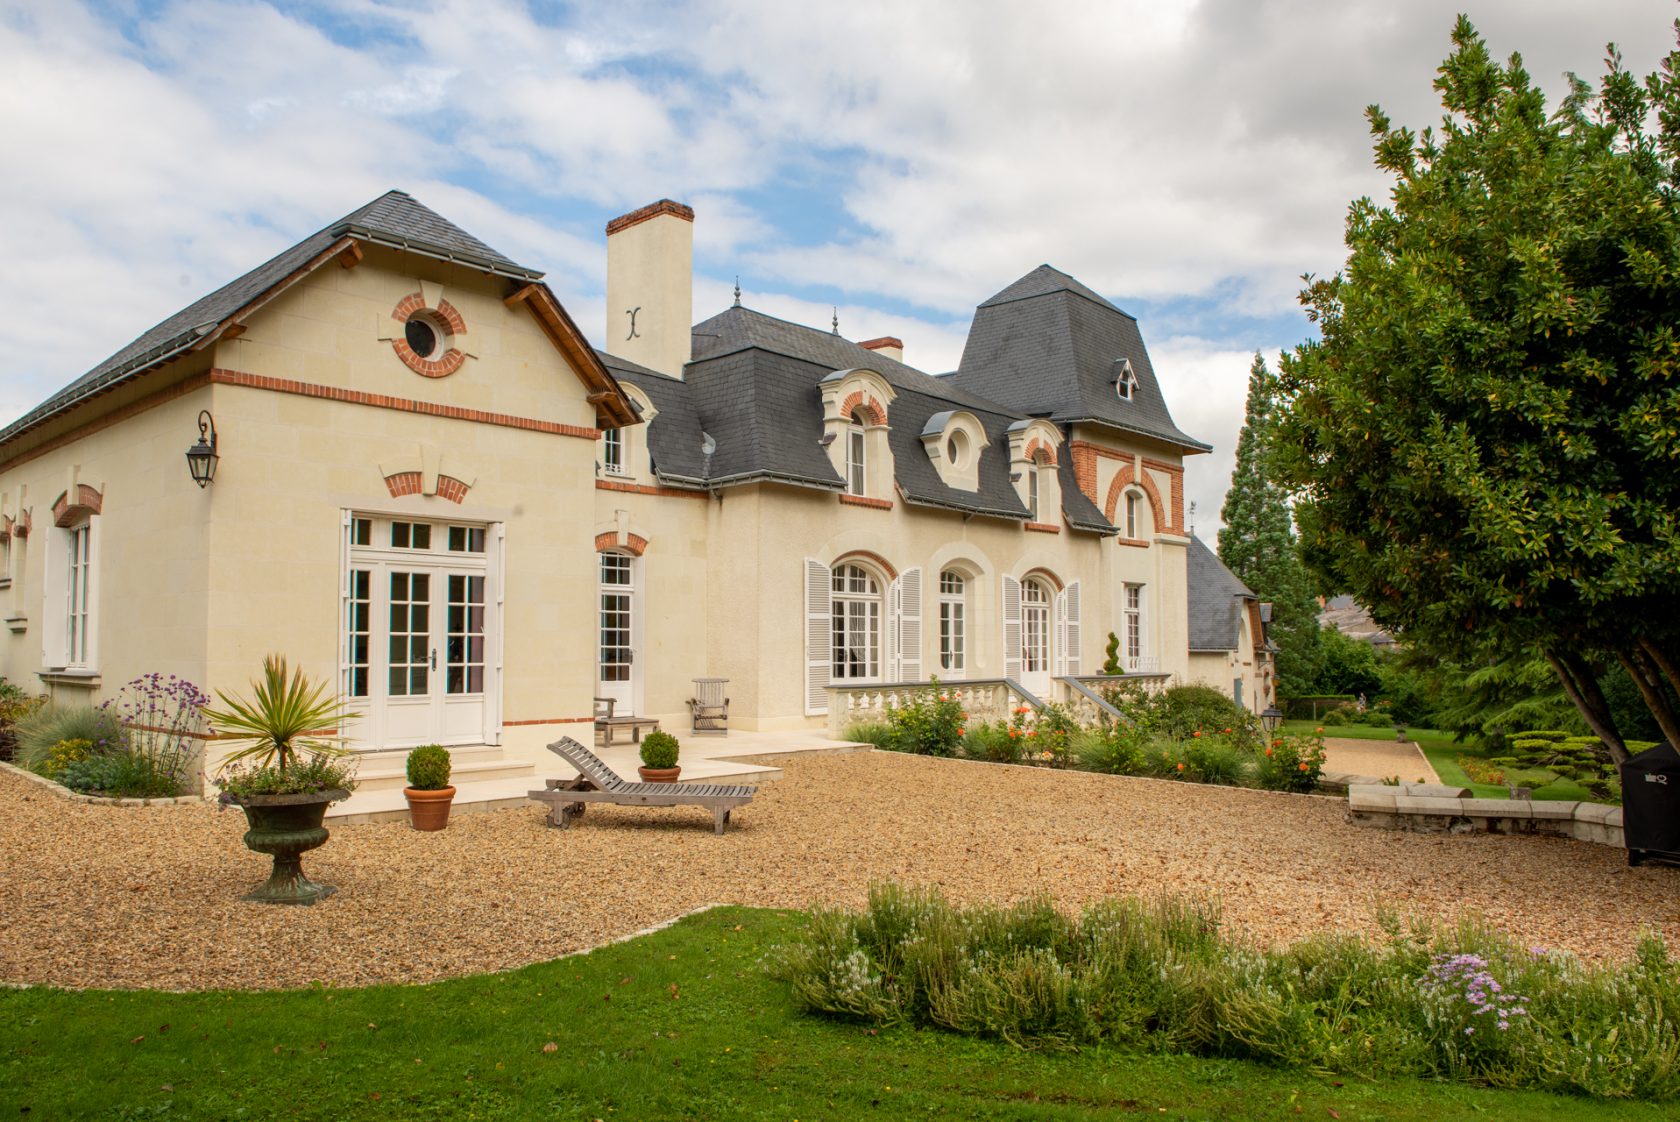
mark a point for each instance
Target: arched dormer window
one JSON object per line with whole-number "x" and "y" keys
{"x": 857, "y": 470}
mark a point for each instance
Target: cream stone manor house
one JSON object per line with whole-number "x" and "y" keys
{"x": 426, "y": 483}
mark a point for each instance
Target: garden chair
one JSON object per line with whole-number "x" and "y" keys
{"x": 599, "y": 783}
{"x": 708, "y": 709}
{"x": 606, "y": 724}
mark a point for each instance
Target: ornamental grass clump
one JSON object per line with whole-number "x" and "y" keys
{"x": 1462, "y": 1002}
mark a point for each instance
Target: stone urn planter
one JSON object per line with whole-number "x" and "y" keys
{"x": 286, "y": 827}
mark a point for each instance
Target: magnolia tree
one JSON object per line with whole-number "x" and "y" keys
{"x": 1484, "y": 444}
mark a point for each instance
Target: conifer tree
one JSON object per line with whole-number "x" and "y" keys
{"x": 1258, "y": 542}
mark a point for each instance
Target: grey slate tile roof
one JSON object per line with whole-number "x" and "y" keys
{"x": 754, "y": 386}
{"x": 674, "y": 435}
{"x": 1048, "y": 342}
{"x": 1216, "y": 600}
{"x": 394, "y": 219}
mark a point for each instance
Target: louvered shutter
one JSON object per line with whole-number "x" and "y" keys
{"x": 819, "y": 650}
{"x": 1072, "y": 631}
{"x": 1060, "y": 631}
{"x": 910, "y": 626}
{"x": 1011, "y": 628}
{"x": 892, "y": 656}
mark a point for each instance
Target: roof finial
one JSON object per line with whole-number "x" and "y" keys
{"x": 737, "y": 291}
{"x": 837, "y": 321}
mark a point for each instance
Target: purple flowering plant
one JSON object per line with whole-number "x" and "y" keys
{"x": 1471, "y": 996}
{"x": 161, "y": 718}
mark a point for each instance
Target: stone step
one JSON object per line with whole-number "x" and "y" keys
{"x": 388, "y": 804}
{"x": 462, "y": 773}
{"x": 396, "y": 759}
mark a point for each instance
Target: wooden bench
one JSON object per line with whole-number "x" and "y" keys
{"x": 598, "y": 783}
{"x": 606, "y": 724}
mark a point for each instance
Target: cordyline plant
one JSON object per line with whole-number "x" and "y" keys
{"x": 286, "y": 715}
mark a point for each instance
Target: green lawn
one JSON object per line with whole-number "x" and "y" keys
{"x": 678, "y": 1025}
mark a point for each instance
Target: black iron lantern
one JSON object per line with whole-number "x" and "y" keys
{"x": 1272, "y": 718}
{"x": 202, "y": 457}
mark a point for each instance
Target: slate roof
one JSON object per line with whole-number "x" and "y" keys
{"x": 393, "y": 219}
{"x": 754, "y": 386}
{"x": 1216, "y": 600}
{"x": 1047, "y": 342}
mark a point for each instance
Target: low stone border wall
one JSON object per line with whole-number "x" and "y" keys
{"x": 64, "y": 792}
{"x": 1432, "y": 808}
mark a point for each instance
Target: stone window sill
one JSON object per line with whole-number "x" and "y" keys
{"x": 87, "y": 679}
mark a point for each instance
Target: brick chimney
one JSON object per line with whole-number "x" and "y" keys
{"x": 885, "y": 345}
{"x": 650, "y": 286}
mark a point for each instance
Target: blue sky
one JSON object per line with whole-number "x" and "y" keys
{"x": 899, "y": 161}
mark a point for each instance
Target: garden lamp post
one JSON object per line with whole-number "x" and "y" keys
{"x": 1272, "y": 718}
{"x": 202, "y": 457}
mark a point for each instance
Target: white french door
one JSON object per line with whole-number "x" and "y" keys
{"x": 1035, "y": 638}
{"x": 618, "y": 675}
{"x": 419, "y": 623}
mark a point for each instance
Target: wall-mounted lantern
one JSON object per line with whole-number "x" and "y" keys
{"x": 202, "y": 457}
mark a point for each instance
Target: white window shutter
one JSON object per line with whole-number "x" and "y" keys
{"x": 1060, "y": 608}
{"x": 819, "y": 651}
{"x": 910, "y": 626}
{"x": 1072, "y": 631}
{"x": 893, "y": 656}
{"x": 1011, "y": 628}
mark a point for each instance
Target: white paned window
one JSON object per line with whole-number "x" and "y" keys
{"x": 1131, "y": 514}
{"x": 1035, "y": 627}
{"x": 80, "y": 555}
{"x": 953, "y": 637}
{"x": 359, "y": 632}
{"x": 1032, "y": 491}
{"x": 1134, "y": 623}
{"x": 856, "y": 624}
{"x": 612, "y": 452}
{"x": 856, "y": 477}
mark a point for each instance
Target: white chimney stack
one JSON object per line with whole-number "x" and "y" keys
{"x": 650, "y": 286}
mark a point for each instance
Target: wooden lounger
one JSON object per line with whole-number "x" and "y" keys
{"x": 599, "y": 783}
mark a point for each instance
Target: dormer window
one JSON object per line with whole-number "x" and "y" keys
{"x": 612, "y": 452}
{"x": 1125, "y": 384}
{"x": 1032, "y": 492}
{"x": 855, "y": 473}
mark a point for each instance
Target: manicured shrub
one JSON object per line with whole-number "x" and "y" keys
{"x": 428, "y": 767}
{"x": 1117, "y": 750}
{"x": 94, "y": 775}
{"x": 1182, "y": 711}
{"x": 1459, "y": 1002}
{"x": 659, "y": 750}
{"x": 996, "y": 741}
{"x": 15, "y": 705}
{"x": 1111, "y": 656}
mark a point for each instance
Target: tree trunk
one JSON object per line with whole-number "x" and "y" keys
{"x": 1581, "y": 684}
{"x": 1643, "y": 670}
{"x": 1666, "y": 665}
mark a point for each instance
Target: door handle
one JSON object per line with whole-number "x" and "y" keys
{"x": 434, "y": 658}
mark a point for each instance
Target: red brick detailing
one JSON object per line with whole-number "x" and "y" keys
{"x": 451, "y": 318}
{"x": 1176, "y": 473}
{"x": 652, "y": 210}
{"x": 885, "y": 341}
{"x": 873, "y": 558}
{"x": 403, "y": 483}
{"x": 1055, "y": 581}
{"x": 133, "y": 408}
{"x": 428, "y": 367}
{"x": 862, "y": 500}
{"x": 1135, "y": 543}
{"x": 1127, "y": 478}
{"x": 642, "y": 489}
{"x": 551, "y": 721}
{"x": 6, "y": 524}
{"x": 222, "y": 376}
{"x": 407, "y": 306}
{"x": 1040, "y": 453}
{"x": 67, "y": 513}
{"x": 1085, "y": 467}
{"x": 868, "y": 405}
{"x": 24, "y": 524}
{"x": 452, "y": 489}
{"x": 1043, "y": 528}
{"x": 634, "y": 544}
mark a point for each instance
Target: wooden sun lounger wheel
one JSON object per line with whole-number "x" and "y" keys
{"x": 598, "y": 783}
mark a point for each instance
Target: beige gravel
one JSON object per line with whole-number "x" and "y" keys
{"x": 1383, "y": 759}
{"x": 148, "y": 897}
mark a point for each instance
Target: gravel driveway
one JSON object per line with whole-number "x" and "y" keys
{"x": 148, "y": 897}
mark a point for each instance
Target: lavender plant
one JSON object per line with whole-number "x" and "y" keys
{"x": 162, "y": 715}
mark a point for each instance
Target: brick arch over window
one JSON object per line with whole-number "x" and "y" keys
{"x": 633, "y": 544}
{"x": 1045, "y": 575}
{"x": 860, "y": 402}
{"x": 67, "y": 513}
{"x": 446, "y": 363}
{"x": 1041, "y": 453}
{"x": 412, "y": 483}
{"x": 864, "y": 555}
{"x": 1128, "y": 478}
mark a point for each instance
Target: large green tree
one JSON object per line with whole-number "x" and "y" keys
{"x": 1258, "y": 542}
{"x": 1485, "y": 441}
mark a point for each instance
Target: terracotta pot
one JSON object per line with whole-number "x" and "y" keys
{"x": 429, "y": 810}
{"x": 285, "y": 827}
{"x": 659, "y": 774}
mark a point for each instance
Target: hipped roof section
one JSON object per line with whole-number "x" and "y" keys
{"x": 1047, "y": 343}
{"x": 1216, "y": 599}
{"x": 395, "y": 220}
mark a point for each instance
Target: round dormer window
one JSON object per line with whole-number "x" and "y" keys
{"x": 423, "y": 336}
{"x": 956, "y": 447}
